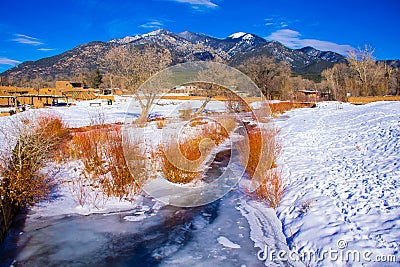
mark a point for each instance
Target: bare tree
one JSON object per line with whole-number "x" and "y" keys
{"x": 134, "y": 66}
{"x": 266, "y": 73}
{"x": 394, "y": 82}
{"x": 360, "y": 60}
{"x": 337, "y": 79}
{"x": 372, "y": 75}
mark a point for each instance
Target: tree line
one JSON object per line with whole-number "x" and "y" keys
{"x": 129, "y": 66}
{"x": 361, "y": 76}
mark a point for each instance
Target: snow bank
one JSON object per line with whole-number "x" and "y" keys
{"x": 343, "y": 168}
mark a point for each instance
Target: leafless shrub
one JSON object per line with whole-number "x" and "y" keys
{"x": 86, "y": 192}
{"x": 160, "y": 123}
{"x": 105, "y": 168}
{"x": 97, "y": 117}
{"x": 183, "y": 162}
{"x": 262, "y": 151}
{"x": 29, "y": 141}
{"x": 306, "y": 205}
{"x": 271, "y": 188}
{"x": 185, "y": 113}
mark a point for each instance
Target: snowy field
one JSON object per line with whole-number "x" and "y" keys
{"x": 342, "y": 163}
{"x": 342, "y": 166}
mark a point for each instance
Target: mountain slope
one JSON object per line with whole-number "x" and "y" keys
{"x": 85, "y": 56}
{"x": 184, "y": 46}
{"x": 325, "y": 55}
{"x": 299, "y": 61}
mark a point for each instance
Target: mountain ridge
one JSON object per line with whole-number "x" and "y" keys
{"x": 184, "y": 46}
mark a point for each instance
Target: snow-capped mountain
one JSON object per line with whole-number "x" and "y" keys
{"x": 184, "y": 46}
{"x": 233, "y": 44}
{"x": 237, "y": 35}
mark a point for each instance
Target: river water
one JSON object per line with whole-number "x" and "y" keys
{"x": 222, "y": 233}
{"x": 172, "y": 237}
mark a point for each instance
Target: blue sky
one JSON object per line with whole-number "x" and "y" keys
{"x": 30, "y": 30}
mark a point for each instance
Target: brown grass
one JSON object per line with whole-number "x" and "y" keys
{"x": 102, "y": 154}
{"x": 280, "y": 107}
{"x": 185, "y": 113}
{"x": 271, "y": 189}
{"x": 229, "y": 123}
{"x": 178, "y": 171}
{"x": 283, "y": 106}
{"x": 369, "y": 99}
{"x": 184, "y": 164}
{"x": 160, "y": 123}
{"x": 263, "y": 151}
{"x": 36, "y": 139}
{"x": 218, "y": 98}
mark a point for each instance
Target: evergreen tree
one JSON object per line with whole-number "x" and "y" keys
{"x": 96, "y": 79}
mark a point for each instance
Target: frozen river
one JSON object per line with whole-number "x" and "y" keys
{"x": 215, "y": 234}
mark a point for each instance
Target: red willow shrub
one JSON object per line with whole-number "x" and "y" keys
{"x": 183, "y": 165}
{"x": 261, "y": 153}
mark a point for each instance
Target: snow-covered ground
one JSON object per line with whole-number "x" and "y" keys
{"x": 342, "y": 163}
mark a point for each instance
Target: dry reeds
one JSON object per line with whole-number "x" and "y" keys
{"x": 160, "y": 123}
{"x": 271, "y": 188}
{"x": 32, "y": 140}
{"x": 179, "y": 171}
{"x": 369, "y": 99}
{"x": 280, "y": 107}
{"x": 182, "y": 162}
{"x": 283, "y": 106}
{"x": 105, "y": 168}
{"x": 261, "y": 154}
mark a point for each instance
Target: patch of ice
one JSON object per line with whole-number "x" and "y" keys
{"x": 227, "y": 243}
{"x": 138, "y": 218}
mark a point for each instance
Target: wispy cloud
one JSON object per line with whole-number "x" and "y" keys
{"x": 278, "y": 22}
{"x": 25, "y": 39}
{"x": 153, "y": 24}
{"x": 46, "y": 49}
{"x": 197, "y": 4}
{"x": 8, "y": 61}
{"x": 293, "y": 39}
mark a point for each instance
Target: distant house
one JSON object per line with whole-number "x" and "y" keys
{"x": 186, "y": 89}
{"x": 16, "y": 91}
{"x": 63, "y": 92}
{"x": 15, "y": 97}
{"x": 75, "y": 90}
{"x": 69, "y": 85}
{"x": 307, "y": 95}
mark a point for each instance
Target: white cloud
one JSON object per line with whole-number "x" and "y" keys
{"x": 46, "y": 49}
{"x": 25, "y": 39}
{"x": 278, "y": 22}
{"x": 7, "y": 61}
{"x": 197, "y": 3}
{"x": 293, "y": 39}
{"x": 154, "y": 24}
